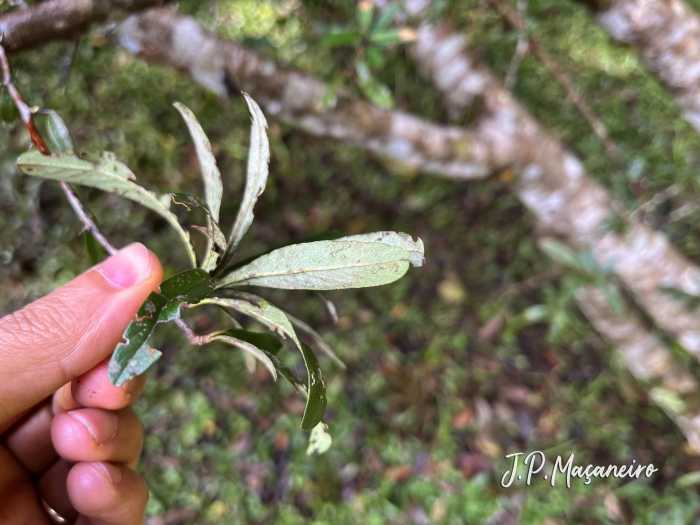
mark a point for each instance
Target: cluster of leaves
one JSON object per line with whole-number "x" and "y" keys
{"x": 371, "y": 35}
{"x": 347, "y": 262}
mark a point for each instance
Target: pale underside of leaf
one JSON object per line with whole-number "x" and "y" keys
{"x": 213, "y": 187}
{"x": 254, "y": 350}
{"x": 416, "y": 249}
{"x": 260, "y": 310}
{"x": 256, "y": 176}
{"x": 106, "y": 174}
{"x": 324, "y": 265}
{"x": 277, "y": 321}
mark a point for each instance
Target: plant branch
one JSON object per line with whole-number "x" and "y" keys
{"x": 597, "y": 125}
{"x": 27, "y": 115}
{"x": 60, "y": 20}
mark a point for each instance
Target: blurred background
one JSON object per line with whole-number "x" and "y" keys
{"x": 480, "y": 353}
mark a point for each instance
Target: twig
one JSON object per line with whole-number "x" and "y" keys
{"x": 522, "y": 48}
{"x": 562, "y": 78}
{"x": 27, "y": 115}
{"x": 684, "y": 210}
{"x": 194, "y": 338}
{"x": 656, "y": 200}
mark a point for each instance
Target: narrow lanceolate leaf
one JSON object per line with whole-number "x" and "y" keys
{"x": 317, "y": 400}
{"x": 318, "y": 340}
{"x": 252, "y": 349}
{"x": 256, "y": 176}
{"x": 105, "y": 173}
{"x": 134, "y": 356}
{"x": 213, "y": 189}
{"x": 415, "y": 248}
{"x": 278, "y": 322}
{"x": 190, "y": 286}
{"x": 324, "y": 265}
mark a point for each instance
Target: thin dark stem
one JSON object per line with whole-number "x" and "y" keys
{"x": 27, "y": 115}
{"x": 82, "y": 213}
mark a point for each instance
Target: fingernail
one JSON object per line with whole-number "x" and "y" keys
{"x": 126, "y": 268}
{"x": 113, "y": 473}
{"x": 102, "y": 432}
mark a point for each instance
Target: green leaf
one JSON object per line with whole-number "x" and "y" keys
{"x": 415, "y": 249}
{"x": 387, "y": 17}
{"x": 248, "y": 347}
{"x": 278, "y": 322}
{"x": 560, "y": 253}
{"x": 319, "y": 440}
{"x": 374, "y": 90}
{"x": 341, "y": 37}
{"x": 213, "y": 188}
{"x": 105, "y": 173}
{"x": 324, "y": 265}
{"x": 134, "y": 356}
{"x": 94, "y": 249}
{"x": 317, "y": 401}
{"x": 256, "y": 177}
{"x": 54, "y": 131}
{"x": 386, "y": 37}
{"x": 365, "y": 14}
{"x": 318, "y": 340}
{"x": 190, "y": 286}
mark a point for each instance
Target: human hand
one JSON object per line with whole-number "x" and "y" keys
{"x": 67, "y": 435}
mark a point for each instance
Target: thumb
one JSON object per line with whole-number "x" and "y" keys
{"x": 63, "y": 335}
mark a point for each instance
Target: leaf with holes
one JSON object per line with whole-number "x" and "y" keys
{"x": 134, "y": 356}
{"x": 416, "y": 249}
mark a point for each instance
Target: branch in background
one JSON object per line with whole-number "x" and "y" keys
{"x": 60, "y": 20}
{"x": 410, "y": 143}
{"x": 673, "y": 389}
{"x": 516, "y": 20}
{"x": 553, "y": 184}
{"x": 667, "y": 34}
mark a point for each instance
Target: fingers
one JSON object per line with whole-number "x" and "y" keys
{"x": 30, "y": 440}
{"x": 65, "y": 334}
{"x": 101, "y": 492}
{"x": 94, "y": 389}
{"x": 107, "y": 494}
{"x": 92, "y": 434}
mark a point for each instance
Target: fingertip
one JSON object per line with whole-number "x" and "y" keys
{"x": 113, "y": 494}
{"x": 94, "y": 389}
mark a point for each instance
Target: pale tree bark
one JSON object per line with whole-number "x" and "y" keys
{"x": 553, "y": 184}
{"x": 667, "y": 34}
{"x": 669, "y": 386}
{"x": 60, "y": 20}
